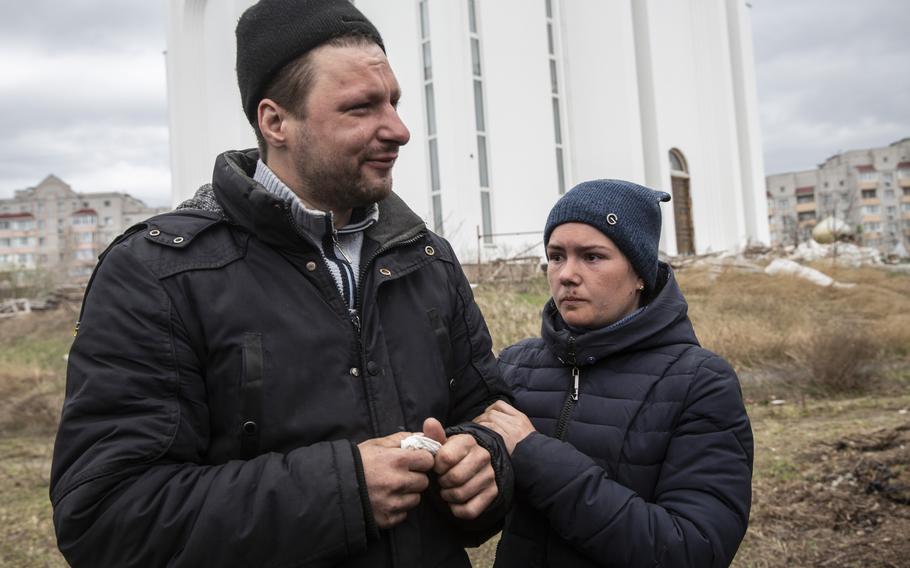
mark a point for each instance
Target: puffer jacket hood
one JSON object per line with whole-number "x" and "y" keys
{"x": 663, "y": 322}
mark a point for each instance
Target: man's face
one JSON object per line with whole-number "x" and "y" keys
{"x": 344, "y": 147}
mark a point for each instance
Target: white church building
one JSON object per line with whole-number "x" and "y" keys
{"x": 512, "y": 102}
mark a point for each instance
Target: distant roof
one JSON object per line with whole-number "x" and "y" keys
{"x": 15, "y": 215}
{"x": 865, "y": 168}
{"x": 805, "y": 190}
{"x": 903, "y": 165}
{"x": 85, "y": 212}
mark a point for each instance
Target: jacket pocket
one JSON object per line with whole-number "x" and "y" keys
{"x": 251, "y": 395}
{"x": 443, "y": 343}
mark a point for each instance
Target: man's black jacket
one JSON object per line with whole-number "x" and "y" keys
{"x": 218, "y": 384}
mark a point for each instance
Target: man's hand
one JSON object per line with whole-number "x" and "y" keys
{"x": 466, "y": 476}
{"x": 395, "y": 477}
{"x": 508, "y": 422}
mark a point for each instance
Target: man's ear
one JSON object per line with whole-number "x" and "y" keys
{"x": 271, "y": 118}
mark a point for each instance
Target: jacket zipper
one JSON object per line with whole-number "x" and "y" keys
{"x": 562, "y": 426}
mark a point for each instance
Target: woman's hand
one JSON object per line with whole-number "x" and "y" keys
{"x": 506, "y": 421}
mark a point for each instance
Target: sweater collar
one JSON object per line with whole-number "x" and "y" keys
{"x": 251, "y": 205}
{"x": 313, "y": 221}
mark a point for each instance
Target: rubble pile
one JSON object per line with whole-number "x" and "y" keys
{"x": 846, "y": 254}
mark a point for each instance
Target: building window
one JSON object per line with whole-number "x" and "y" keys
{"x": 889, "y": 194}
{"x": 905, "y": 207}
{"x": 868, "y": 176}
{"x": 107, "y": 203}
{"x": 872, "y": 227}
{"x": 869, "y": 194}
{"x": 429, "y": 97}
{"x": 807, "y": 198}
{"x": 906, "y": 191}
{"x": 871, "y": 209}
{"x": 552, "y": 47}
{"x": 84, "y": 220}
{"x": 483, "y": 161}
{"x": 806, "y": 216}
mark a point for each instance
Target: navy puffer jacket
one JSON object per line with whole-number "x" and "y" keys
{"x": 651, "y": 465}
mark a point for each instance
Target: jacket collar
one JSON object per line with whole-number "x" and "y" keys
{"x": 250, "y": 205}
{"x": 663, "y": 322}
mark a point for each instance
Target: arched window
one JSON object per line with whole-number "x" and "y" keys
{"x": 678, "y": 162}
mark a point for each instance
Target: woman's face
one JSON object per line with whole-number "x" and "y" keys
{"x": 591, "y": 280}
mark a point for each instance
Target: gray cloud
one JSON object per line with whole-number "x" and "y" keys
{"x": 831, "y": 77}
{"x": 84, "y": 97}
{"x": 85, "y": 25}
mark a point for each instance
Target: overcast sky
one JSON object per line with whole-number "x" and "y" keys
{"x": 83, "y": 92}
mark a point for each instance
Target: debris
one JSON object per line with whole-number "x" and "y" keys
{"x": 778, "y": 402}
{"x": 15, "y": 307}
{"x": 784, "y": 266}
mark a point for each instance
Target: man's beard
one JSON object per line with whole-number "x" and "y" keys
{"x": 331, "y": 184}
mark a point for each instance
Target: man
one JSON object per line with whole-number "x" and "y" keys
{"x": 246, "y": 367}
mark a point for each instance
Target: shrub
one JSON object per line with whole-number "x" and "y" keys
{"x": 838, "y": 358}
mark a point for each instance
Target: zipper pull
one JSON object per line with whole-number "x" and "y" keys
{"x": 355, "y": 319}
{"x": 575, "y": 374}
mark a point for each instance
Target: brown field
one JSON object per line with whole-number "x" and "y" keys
{"x": 832, "y": 467}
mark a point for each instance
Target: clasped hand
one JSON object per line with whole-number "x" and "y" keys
{"x": 507, "y": 421}
{"x": 396, "y": 477}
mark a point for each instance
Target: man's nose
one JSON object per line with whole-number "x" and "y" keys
{"x": 393, "y": 130}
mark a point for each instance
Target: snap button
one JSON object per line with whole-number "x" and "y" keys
{"x": 154, "y": 233}
{"x": 451, "y": 383}
{"x": 249, "y": 427}
{"x": 355, "y": 372}
{"x": 311, "y": 266}
{"x": 178, "y": 240}
{"x": 430, "y": 251}
{"x": 385, "y": 271}
{"x": 373, "y": 368}
{"x": 612, "y": 218}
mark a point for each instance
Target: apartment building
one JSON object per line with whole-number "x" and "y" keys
{"x": 54, "y": 228}
{"x": 868, "y": 189}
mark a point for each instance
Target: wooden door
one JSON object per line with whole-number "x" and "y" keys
{"x": 682, "y": 212}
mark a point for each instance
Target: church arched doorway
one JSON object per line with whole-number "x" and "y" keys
{"x": 682, "y": 203}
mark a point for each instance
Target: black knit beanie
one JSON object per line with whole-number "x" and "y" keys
{"x": 627, "y": 213}
{"x": 271, "y": 33}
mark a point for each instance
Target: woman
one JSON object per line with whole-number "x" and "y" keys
{"x": 630, "y": 444}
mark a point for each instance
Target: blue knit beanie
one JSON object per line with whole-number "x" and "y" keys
{"x": 627, "y": 213}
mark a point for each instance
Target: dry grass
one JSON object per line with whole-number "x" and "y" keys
{"x": 767, "y": 327}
